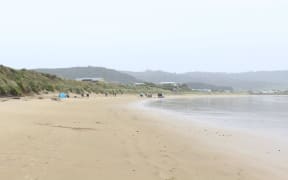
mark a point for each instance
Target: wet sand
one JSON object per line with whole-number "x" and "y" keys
{"x": 105, "y": 138}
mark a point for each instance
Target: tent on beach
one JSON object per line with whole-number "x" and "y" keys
{"x": 62, "y": 95}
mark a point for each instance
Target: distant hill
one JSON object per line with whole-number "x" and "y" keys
{"x": 109, "y": 75}
{"x": 239, "y": 81}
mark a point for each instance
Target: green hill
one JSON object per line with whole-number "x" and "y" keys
{"x": 108, "y": 75}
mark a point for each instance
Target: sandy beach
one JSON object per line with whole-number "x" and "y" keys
{"x": 105, "y": 138}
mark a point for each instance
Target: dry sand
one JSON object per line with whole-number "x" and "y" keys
{"x": 105, "y": 139}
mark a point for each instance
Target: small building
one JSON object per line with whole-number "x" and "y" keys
{"x": 169, "y": 83}
{"x": 139, "y": 84}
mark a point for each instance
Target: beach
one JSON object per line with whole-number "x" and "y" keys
{"x": 107, "y": 138}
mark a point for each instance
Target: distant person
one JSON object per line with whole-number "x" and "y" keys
{"x": 149, "y": 95}
{"x": 160, "y": 95}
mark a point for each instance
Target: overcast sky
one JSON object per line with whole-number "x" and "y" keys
{"x": 175, "y": 36}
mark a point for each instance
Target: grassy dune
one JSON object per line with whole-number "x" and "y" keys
{"x": 24, "y": 82}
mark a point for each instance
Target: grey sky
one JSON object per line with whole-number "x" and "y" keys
{"x": 176, "y": 36}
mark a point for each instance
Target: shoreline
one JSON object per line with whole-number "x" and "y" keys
{"x": 177, "y": 118}
{"x": 239, "y": 141}
{"x": 106, "y": 138}
{"x": 196, "y": 119}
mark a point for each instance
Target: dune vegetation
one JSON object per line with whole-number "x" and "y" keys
{"x": 25, "y": 82}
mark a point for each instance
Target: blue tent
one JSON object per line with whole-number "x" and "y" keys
{"x": 62, "y": 95}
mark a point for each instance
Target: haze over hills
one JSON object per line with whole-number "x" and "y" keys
{"x": 109, "y": 75}
{"x": 238, "y": 81}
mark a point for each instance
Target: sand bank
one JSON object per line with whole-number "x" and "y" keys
{"x": 104, "y": 138}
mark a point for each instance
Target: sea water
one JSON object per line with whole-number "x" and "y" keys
{"x": 267, "y": 114}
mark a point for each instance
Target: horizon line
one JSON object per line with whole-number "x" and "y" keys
{"x": 147, "y": 70}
